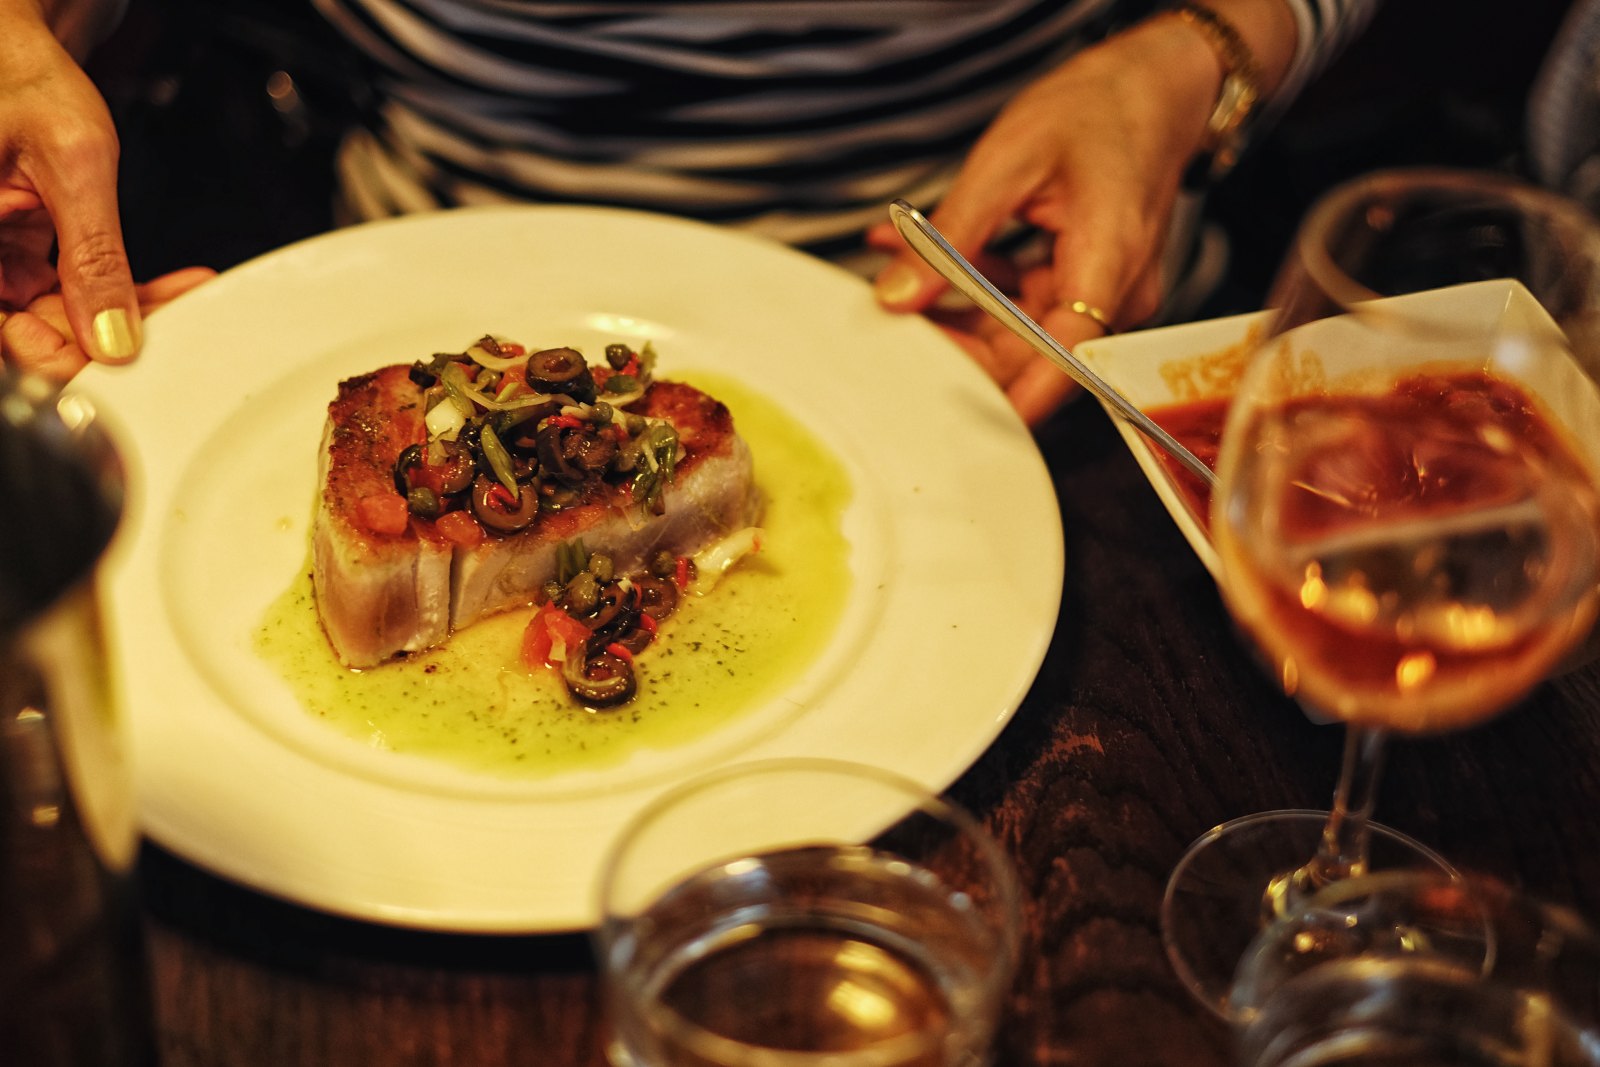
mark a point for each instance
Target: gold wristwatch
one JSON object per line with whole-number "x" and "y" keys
{"x": 1241, "y": 91}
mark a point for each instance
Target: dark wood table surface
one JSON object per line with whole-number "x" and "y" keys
{"x": 1149, "y": 723}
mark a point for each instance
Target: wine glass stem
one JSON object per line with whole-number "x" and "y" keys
{"x": 1342, "y": 850}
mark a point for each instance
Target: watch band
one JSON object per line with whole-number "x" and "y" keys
{"x": 1236, "y": 100}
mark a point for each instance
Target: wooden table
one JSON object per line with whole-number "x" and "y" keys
{"x": 1148, "y": 723}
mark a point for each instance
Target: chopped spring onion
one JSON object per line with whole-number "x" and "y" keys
{"x": 499, "y": 461}
{"x": 484, "y": 358}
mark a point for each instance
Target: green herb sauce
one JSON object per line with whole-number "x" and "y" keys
{"x": 473, "y": 704}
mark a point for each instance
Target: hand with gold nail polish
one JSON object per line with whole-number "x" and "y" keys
{"x": 64, "y": 272}
{"x": 40, "y": 338}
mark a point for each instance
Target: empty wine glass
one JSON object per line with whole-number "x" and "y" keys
{"x": 1416, "y": 968}
{"x": 1406, "y": 508}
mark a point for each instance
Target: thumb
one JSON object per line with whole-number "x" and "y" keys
{"x": 966, "y": 218}
{"x": 92, "y": 262}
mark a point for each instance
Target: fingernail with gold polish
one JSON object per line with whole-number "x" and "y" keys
{"x": 897, "y": 284}
{"x": 115, "y": 336}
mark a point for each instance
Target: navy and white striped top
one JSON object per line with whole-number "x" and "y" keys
{"x": 798, "y": 119}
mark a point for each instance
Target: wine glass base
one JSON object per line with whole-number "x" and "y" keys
{"x": 1217, "y": 898}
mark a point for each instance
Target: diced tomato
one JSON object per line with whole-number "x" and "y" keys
{"x": 620, "y": 652}
{"x": 648, "y": 624}
{"x": 514, "y": 374}
{"x": 631, "y": 367}
{"x": 425, "y": 477}
{"x": 549, "y": 636}
{"x": 459, "y": 527}
{"x": 502, "y": 496}
{"x": 384, "y": 513}
{"x": 680, "y": 573}
{"x": 569, "y": 422}
{"x": 512, "y": 350}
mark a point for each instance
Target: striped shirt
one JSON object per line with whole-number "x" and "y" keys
{"x": 1564, "y": 108}
{"x": 798, "y": 119}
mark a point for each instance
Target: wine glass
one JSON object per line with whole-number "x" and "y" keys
{"x": 1412, "y": 967}
{"x": 1406, "y": 509}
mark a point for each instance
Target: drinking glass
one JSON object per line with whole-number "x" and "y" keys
{"x": 800, "y": 913}
{"x": 1406, "y": 508}
{"x": 72, "y": 985}
{"x": 1418, "y": 968}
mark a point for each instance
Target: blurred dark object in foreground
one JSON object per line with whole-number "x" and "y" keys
{"x": 229, "y": 112}
{"x": 1434, "y": 82}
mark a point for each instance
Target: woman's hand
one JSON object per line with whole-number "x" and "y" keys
{"x": 58, "y": 192}
{"x": 1093, "y": 155}
{"x": 40, "y": 339}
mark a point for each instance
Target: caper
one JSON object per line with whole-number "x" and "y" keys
{"x": 663, "y": 564}
{"x": 553, "y": 589}
{"x": 583, "y": 593}
{"x": 618, "y": 355}
{"x": 601, "y": 567}
{"x": 621, "y": 383}
{"x": 423, "y": 502}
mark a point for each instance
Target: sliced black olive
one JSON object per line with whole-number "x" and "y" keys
{"x": 555, "y": 454}
{"x": 562, "y": 370}
{"x": 593, "y": 451}
{"x": 658, "y": 597}
{"x": 410, "y": 456}
{"x": 611, "y": 613}
{"x": 456, "y": 469}
{"x": 486, "y": 506}
{"x": 420, "y": 375}
{"x": 603, "y": 680}
{"x": 635, "y": 639}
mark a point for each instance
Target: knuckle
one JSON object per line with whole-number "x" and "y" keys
{"x": 97, "y": 256}
{"x": 84, "y": 143}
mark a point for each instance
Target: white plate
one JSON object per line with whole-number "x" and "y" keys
{"x": 954, "y": 534}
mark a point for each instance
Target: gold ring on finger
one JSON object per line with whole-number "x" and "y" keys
{"x": 1083, "y": 307}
